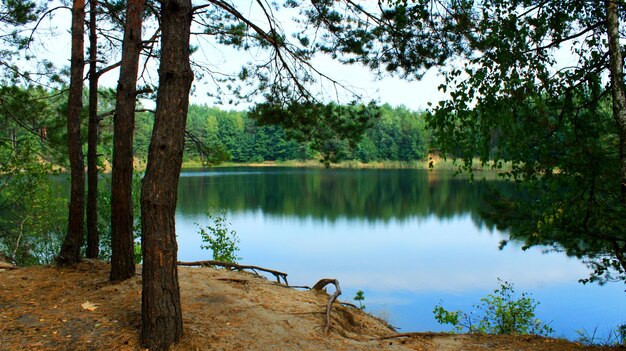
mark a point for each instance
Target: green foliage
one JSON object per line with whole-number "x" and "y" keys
{"x": 360, "y": 297}
{"x": 33, "y": 142}
{"x": 499, "y": 313}
{"x": 327, "y": 132}
{"x": 331, "y": 129}
{"x": 104, "y": 216}
{"x": 555, "y": 128}
{"x": 398, "y": 135}
{"x": 16, "y": 12}
{"x": 32, "y": 215}
{"x": 220, "y": 239}
{"x": 143, "y": 133}
{"x": 393, "y": 36}
{"x": 15, "y": 18}
{"x": 511, "y": 100}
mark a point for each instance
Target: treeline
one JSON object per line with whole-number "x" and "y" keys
{"x": 396, "y": 134}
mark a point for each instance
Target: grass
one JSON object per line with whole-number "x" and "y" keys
{"x": 615, "y": 337}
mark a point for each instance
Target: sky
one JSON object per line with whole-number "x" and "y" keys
{"x": 415, "y": 95}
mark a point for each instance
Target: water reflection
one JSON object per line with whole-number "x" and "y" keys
{"x": 407, "y": 238}
{"x": 371, "y": 195}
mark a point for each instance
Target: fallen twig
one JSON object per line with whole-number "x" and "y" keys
{"x": 295, "y": 286}
{"x": 412, "y": 334}
{"x": 239, "y": 267}
{"x": 319, "y": 286}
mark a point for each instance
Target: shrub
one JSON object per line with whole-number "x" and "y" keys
{"x": 498, "y": 313}
{"x": 220, "y": 239}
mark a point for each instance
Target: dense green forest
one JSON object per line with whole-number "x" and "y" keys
{"x": 398, "y": 134}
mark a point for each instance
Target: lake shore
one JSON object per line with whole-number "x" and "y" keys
{"x": 434, "y": 163}
{"x": 47, "y": 308}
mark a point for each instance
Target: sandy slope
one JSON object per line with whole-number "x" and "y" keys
{"x": 43, "y": 308}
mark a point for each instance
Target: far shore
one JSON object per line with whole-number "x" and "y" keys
{"x": 433, "y": 163}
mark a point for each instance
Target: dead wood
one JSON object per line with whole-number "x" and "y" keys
{"x": 233, "y": 280}
{"x": 413, "y": 334}
{"x": 296, "y": 287}
{"x": 7, "y": 266}
{"x": 239, "y": 267}
{"x": 319, "y": 286}
{"x": 349, "y": 305}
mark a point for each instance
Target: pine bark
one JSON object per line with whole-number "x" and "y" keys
{"x": 122, "y": 239}
{"x": 93, "y": 237}
{"x": 161, "y": 319}
{"x": 618, "y": 90}
{"x": 70, "y": 249}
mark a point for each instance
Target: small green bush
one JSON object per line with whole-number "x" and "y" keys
{"x": 498, "y": 313}
{"x": 360, "y": 297}
{"x": 220, "y": 239}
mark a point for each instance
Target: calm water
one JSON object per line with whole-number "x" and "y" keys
{"x": 408, "y": 238}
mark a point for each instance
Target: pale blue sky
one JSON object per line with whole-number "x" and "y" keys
{"x": 412, "y": 94}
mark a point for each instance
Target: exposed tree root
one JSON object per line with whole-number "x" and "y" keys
{"x": 349, "y": 305}
{"x": 319, "y": 286}
{"x": 239, "y": 267}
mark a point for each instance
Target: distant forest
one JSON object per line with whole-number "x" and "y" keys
{"x": 215, "y": 135}
{"x": 397, "y": 134}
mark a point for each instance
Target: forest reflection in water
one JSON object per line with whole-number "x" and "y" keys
{"x": 408, "y": 238}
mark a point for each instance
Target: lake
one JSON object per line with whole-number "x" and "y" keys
{"x": 409, "y": 239}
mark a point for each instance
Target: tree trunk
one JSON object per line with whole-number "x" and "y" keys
{"x": 122, "y": 239}
{"x": 93, "y": 237}
{"x": 70, "y": 249}
{"x": 619, "y": 104}
{"x": 161, "y": 317}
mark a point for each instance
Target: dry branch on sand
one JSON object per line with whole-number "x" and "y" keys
{"x": 7, "y": 266}
{"x": 235, "y": 266}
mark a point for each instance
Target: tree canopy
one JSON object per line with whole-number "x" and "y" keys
{"x": 537, "y": 84}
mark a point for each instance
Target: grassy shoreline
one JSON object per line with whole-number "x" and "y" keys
{"x": 437, "y": 164}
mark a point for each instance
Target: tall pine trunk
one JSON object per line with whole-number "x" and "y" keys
{"x": 70, "y": 249}
{"x": 616, "y": 68}
{"x": 93, "y": 237}
{"x": 161, "y": 316}
{"x": 122, "y": 239}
